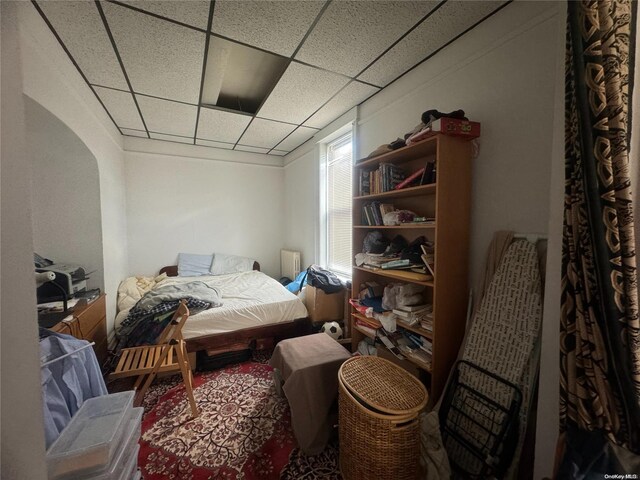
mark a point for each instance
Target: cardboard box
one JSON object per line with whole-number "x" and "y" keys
{"x": 323, "y": 307}
{"x": 456, "y": 127}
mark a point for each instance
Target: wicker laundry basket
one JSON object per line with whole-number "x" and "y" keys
{"x": 379, "y": 429}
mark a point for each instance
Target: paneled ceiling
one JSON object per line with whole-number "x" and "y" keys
{"x": 145, "y": 60}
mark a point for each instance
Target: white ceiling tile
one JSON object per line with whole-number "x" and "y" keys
{"x": 208, "y": 143}
{"x": 221, "y": 126}
{"x": 300, "y": 92}
{"x": 80, "y": 27}
{"x": 297, "y": 138}
{"x": 352, "y": 95}
{"x": 264, "y": 133}
{"x": 133, "y": 133}
{"x": 246, "y": 148}
{"x": 446, "y": 23}
{"x": 351, "y": 34}
{"x": 168, "y": 117}
{"x": 191, "y": 12}
{"x": 161, "y": 58}
{"x": 171, "y": 138}
{"x": 279, "y": 153}
{"x": 121, "y": 107}
{"x": 277, "y": 26}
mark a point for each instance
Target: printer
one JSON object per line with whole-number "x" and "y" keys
{"x": 70, "y": 278}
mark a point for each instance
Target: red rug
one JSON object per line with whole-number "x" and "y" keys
{"x": 243, "y": 431}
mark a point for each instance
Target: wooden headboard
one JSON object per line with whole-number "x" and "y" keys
{"x": 172, "y": 270}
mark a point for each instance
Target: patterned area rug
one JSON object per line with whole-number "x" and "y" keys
{"x": 243, "y": 431}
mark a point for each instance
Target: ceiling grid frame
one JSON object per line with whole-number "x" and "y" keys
{"x": 73, "y": 61}
{"x": 407, "y": 71}
{"x": 425, "y": 17}
{"x": 309, "y": 30}
{"x": 212, "y": 6}
{"x": 124, "y": 71}
{"x": 274, "y": 150}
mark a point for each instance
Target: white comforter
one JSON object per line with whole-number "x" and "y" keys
{"x": 249, "y": 299}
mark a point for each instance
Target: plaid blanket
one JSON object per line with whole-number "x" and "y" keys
{"x": 143, "y": 327}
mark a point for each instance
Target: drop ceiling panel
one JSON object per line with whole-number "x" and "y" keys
{"x": 352, "y": 95}
{"x": 171, "y": 138}
{"x": 300, "y": 92}
{"x": 297, "y": 138}
{"x": 161, "y": 58}
{"x": 191, "y": 12}
{"x": 446, "y": 23}
{"x": 121, "y": 107}
{"x": 277, "y": 26}
{"x": 221, "y": 126}
{"x": 133, "y": 133}
{"x": 246, "y": 148}
{"x": 168, "y": 117}
{"x": 208, "y": 143}
{"x": 351, "y": 34}
{"x": 80, "y": 27}
{"x": 265, "y": 134}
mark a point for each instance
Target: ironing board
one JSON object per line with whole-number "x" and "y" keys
{"x": 504, "y": 339}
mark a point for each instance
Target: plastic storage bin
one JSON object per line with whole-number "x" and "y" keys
{"x": 117, "y": 469}
{"x": 90, "y": 441}
{"x": 131, "y": 470}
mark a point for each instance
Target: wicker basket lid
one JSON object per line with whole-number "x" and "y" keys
{"x": 382, "y": 385}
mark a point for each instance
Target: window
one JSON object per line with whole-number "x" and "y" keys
{"x": 336, "y": 214}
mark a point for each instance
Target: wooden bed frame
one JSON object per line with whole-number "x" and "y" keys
{"x": 247, "y": 337}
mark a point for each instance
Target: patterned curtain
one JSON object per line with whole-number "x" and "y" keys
{"x": 600, "y": 329}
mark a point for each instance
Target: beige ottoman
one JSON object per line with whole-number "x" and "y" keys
{"x": 307, "y": 369}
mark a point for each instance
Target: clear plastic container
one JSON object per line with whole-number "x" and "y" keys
{"x": 131, "y": 470}
{"x": 118, "y": 468}
{"x": 90, "y": 440}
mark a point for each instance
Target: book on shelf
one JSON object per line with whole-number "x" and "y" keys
{"x": 429, "y": 263}
{"x": 414, "y": 308}
{"x": 396, "y": 264}
{"x": 383, "y": 179}
{"x": 429, "y": 174}
{"x": 373, "y": 213}
{"x": 410, "y": 179}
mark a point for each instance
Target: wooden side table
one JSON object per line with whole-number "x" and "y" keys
{"x": 89, "y": 322}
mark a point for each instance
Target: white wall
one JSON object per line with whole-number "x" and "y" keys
{"x": 50, "y": 79}
{"x": 22, "y": 432}
{"x": 302, "y": 206}
{"x": 503, "y": 74}
{"x": 66, "y": 194}
{"x": 199, "y": 205}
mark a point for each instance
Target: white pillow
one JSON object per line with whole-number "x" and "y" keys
{"x": 223, "y": 263}
{"x": 193, "y": 265}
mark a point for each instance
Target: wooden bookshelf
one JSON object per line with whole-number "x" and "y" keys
{"x": 448, "y": 200}
{"x": 396, "y": 227}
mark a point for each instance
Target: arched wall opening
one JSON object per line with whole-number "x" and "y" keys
{"x": 66, "y": 210}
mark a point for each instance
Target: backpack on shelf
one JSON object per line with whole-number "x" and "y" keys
{"x": 323, "y": 279}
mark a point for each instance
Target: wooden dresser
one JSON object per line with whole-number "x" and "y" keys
{"x": 89, "y": 323}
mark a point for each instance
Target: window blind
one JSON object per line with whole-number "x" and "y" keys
{"x": 339, "y": 162}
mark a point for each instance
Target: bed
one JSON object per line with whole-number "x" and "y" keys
{"x": 255, "y": 309}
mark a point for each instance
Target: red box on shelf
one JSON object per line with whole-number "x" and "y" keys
{"x": 456, "y": 127}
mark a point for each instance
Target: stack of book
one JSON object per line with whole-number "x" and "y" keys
{"x": 384, "y": 179}
{"x": 373, "y": 213}
{"x": 413, "y": 346}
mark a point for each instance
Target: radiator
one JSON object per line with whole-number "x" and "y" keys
{"x": 289, "y": 263}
